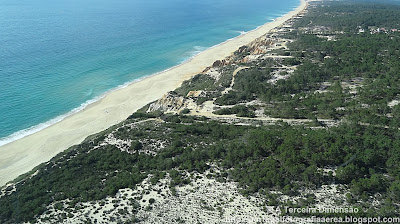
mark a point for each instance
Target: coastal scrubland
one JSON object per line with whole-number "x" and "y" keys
{"x": 305, "y": 116}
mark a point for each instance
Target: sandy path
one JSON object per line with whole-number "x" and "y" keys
{"x": 268, "y": 119}
{"x": 233, "y": 80}
{"x": 23, "y": 155}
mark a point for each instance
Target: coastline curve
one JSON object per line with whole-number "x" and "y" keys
{"x": 22, "y": 155}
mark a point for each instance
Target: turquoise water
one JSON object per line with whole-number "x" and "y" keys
{"x": 56, "y": 56}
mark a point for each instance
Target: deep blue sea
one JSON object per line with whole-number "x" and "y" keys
{"x": 56, "y": 56}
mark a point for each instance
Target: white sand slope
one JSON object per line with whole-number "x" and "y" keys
{"x": 23, "y": 155}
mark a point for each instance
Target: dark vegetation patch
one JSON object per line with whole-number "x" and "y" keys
{"x": 364, "y": 149}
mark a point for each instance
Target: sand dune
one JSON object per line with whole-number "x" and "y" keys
{"x": 23, "y": 155}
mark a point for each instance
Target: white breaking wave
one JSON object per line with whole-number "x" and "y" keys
{"x": 193, "y": 53}
{"x": 241, "y": 32}
{"x": 28, "y": 131}
{"x": 36, "y": 128}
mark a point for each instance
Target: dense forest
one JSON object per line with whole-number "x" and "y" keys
{"x": 259, "y": 159}
{"x": 362, "y": 150}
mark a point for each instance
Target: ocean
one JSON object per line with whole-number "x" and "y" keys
{"x": 56, "y": 57}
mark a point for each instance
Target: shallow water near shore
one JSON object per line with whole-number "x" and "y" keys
{"x": 56, "y": 57}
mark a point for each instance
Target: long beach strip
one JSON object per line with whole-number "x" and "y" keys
{"x": 23, "y": 155}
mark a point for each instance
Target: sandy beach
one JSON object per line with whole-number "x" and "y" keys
{"x": 23, "y": 155}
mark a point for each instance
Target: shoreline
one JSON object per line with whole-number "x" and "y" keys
{"x": 39, "y": 127}
{"x": 22, "y": 155}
